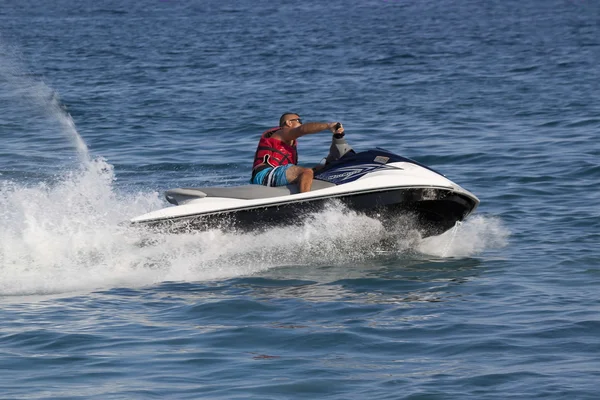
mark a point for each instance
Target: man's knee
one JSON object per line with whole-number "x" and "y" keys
{"x": 307, "y": 173}
{"x": 296, "y": 173}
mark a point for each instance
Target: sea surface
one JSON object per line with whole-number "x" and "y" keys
{"x": 105, "y": 104}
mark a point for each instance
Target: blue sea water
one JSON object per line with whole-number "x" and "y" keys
{"x": 105, "y": 104}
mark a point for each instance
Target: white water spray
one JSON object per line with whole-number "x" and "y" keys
{"x": 475, "y": 235}
{"x": 69, "y": 237}
{"x": 58, "y": 111}
{"x": 18, "y": 83}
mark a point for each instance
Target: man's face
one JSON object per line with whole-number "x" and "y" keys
{"x": 294, "y": 121}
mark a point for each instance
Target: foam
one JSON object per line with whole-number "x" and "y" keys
{"x": 478, "y": 234}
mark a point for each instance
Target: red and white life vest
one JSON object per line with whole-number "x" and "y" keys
{"x": 273, "y": 152}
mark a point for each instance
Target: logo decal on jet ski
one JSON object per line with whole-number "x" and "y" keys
{"x": 381, "y": 159}
{"x": 350, "y": 173}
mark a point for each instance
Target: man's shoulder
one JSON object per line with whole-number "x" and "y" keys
{"x": 273, "y": 133}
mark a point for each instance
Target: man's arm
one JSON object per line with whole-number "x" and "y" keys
{"x": 309, "y": 128}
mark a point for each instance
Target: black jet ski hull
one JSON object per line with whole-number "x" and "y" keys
{"x": 433, "y": 211}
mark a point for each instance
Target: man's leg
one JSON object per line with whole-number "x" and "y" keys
{"x": 301, "y": 176}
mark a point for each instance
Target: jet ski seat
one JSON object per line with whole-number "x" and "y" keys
{"x": 247, "y": 192}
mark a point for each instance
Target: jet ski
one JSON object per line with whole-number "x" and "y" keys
{"x": 375, "y": 182}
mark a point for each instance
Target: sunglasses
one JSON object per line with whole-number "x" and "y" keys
{"x": 296, "y": 119}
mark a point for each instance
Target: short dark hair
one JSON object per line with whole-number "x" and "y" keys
{"x": 284, "y": 116}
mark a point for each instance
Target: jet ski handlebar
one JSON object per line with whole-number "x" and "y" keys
{"x": 339, "y": 146}
{"x": 338, "y": 135}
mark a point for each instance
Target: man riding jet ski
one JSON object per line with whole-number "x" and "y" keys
{"x": 277, "y": 155}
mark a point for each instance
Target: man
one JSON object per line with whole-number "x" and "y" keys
{"x": 276, "y": 155}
